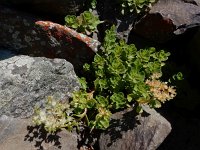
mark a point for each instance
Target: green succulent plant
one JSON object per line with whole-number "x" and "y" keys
{"x": 129, "y": 6}
{"x": 122, "y": 77}
{"x": 86, "y": 23}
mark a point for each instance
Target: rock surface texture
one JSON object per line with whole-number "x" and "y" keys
{"x": 61, "y": 7}
{"x": 27, "y": 35}
{"x": 168, "y": 18}
{"x": 145, "y": 132}
{"x": 19, "y": 134}
{"x": 26, "y": 81}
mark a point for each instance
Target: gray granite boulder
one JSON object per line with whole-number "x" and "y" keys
{"x": 127, "y": 132}
{"x": 26, "y": 81}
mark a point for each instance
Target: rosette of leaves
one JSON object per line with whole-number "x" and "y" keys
{"x": 129, "y": 6}
{"x": 86, "y": 23}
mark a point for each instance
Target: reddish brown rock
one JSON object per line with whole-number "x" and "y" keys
{"x": 27, "y": 35}
{"x": 155, "y": 27}
{"x": 167, "y": 19}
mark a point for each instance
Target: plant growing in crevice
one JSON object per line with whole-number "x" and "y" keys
{"x": 86, "y": 23}
{"x": 123, "y": 77}
{"x": 55, "y": 115}
{"x": 129, "y": 6}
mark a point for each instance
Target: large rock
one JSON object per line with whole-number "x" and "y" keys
{"x": 145, "y": 132}
{"x": 26, "y": 81}
{"x": 19, "y": 134}
{"x": 45, "y": 39}
{"x": 61, "y": 7}
{"x": 168, "y": 18}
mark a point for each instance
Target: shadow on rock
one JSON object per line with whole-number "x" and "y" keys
{"x": 42, "y": 138}
{"x": 131, "y": 132}
{"x": 121, "y": 124}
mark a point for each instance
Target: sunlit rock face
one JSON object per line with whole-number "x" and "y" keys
{"x": 26, "y": 81}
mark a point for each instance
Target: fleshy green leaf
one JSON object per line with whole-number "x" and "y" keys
{"x": 83, "y": 83}
{"x": 118, "y": 100}
{"x": 85, "y": 23}
{"x": 102, "y": 101}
